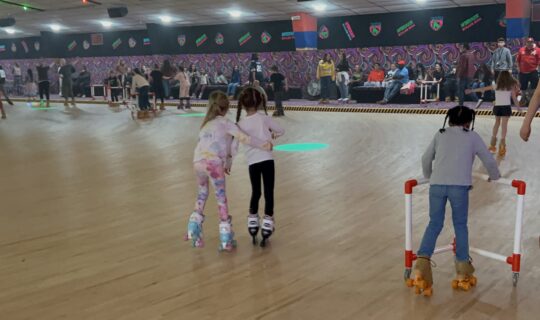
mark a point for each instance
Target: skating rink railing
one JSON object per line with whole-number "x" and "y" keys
{"x": 514, "y": 260}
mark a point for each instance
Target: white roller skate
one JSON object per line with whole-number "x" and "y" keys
{"x": 267, "y": 229}
{"x": 253, "y": 227}
{"x": 195, "y": 231}
{"x": 226, "y": 236}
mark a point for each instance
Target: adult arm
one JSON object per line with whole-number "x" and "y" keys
{"x": 525, "y": 131}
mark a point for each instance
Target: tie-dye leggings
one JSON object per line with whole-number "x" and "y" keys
{"x": 211, "y": 170}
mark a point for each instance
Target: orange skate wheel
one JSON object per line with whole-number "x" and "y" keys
{"x": 409, "y": 283}
{"x": 465, "y": 285}
{"x": 417, "y": 290}
{"x": 428, "y": 292}
{"x": 455, "y": 284}
{"x": 473, "y": 281}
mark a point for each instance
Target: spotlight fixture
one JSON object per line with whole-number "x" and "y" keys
{"x": 165, "y": 19}
{"x": 235, "y": 13}
{"x": 106, "y": 24}
{"x": 55, "y": 27}
{"x": 319, "y": 7}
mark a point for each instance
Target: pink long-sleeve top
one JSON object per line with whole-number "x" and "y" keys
{"x": 215, "y": 141}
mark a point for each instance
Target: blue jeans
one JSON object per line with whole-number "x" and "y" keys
{"x": 325, "y": 87}
{"x": 166, "y": 88}
{"x": 459, "y": 201}
{"x": 464, "y": 83}
{"x": 392, "y": 90}
{"x": 231, "y": 88}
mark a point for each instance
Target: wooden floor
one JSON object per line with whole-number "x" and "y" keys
{"x": 94, "y": 206}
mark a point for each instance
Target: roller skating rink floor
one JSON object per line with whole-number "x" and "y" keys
{"x": 94, "y": 206}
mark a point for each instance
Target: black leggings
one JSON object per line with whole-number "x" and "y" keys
{"x": 144, "y": 103}
{"x": 267, "y": 171}
{"x": 44, "y": 89}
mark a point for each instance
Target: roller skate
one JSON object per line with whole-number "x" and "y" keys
{"x": 267, "y": 229}
{"x": 195, "y": 231}
{"x": 493, "y": 145}
{"x": 253, "y": 227}
{"x": 423, "y": 278}
{"x": 465, "y": 279}
{"x": 502, "y": 148}
{"x": 4, "y": 115}
{"x": 226, "y": 236}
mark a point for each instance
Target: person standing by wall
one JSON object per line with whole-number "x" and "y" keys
{"x": 158, "y": 81}
{"x": 501, "y": 59}
{"x": 43, "y": 82}
{"x": 256, "y": 70}
{"x": 17, "y": 79}
{"x": 326, "y": 73}
{"x": 236, "y": 80}
{"x": 168, "y": 72}
{"x": 2, "y": 83}
{"x": 279, "y": 86}
{"x": 342, "y": 79}
{"x": 465, "y": 73}
{"x": 527, "y": 61}
{"x": 66, "y": 72}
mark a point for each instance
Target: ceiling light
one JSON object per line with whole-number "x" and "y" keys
{"x": 420, "y": 1}
{"x": 319, "y": 7}
{"x": 165, "y": 19}
{"x": 10, "y": 30}
{"x": 55, "y": 27}
{"x": 106, "y": 24}
{"x": 235, "y": 13}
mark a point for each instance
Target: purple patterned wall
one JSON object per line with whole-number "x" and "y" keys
{"x": 298, "y": 66}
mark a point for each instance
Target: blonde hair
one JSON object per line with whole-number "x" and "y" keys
{"x": 218, "y": 104}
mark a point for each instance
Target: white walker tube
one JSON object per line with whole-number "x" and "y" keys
{"x": 488, "y": 254}
{"x": 408, "y": 222}
{"x": 444, "y": 249}
{"x": 519, "y": 224}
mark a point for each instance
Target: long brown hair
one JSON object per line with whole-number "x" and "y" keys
{"x": 250, "y": 98}
{"x": 506, "y": 82}
{"x": 218, "y": 105}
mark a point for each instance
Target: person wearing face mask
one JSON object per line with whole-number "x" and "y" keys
{"x": 501, "y": 58}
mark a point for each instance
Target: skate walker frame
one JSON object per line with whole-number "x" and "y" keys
{"x": 514, "y": 260}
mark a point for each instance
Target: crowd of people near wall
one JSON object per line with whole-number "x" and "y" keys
{"x": 446, "y": 82}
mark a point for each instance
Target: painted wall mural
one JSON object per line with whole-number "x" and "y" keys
{"x": 298, "y": 66}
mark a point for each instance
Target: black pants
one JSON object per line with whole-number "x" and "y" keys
{"x": 265, "y": 170}
{"x": 278, "y": 99}
{"x": 526, "y": 78}
{"x": 43, "y": 89}
{"x": 450, "y": 88}
{"x": 144, "y": 103}
{"x": 115, "y": 92}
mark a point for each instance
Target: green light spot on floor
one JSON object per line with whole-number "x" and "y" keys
{"x": 301, "y": 147}
{"x": 192, "y": 114}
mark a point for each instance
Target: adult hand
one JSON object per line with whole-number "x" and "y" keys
{"x": 525, "y": 132}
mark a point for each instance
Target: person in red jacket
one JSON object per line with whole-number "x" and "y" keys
{"x": 528, "y": 60}
{"x": 465, "y": 73}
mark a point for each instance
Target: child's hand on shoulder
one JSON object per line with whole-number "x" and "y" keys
{"x": 268, "y": 146}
